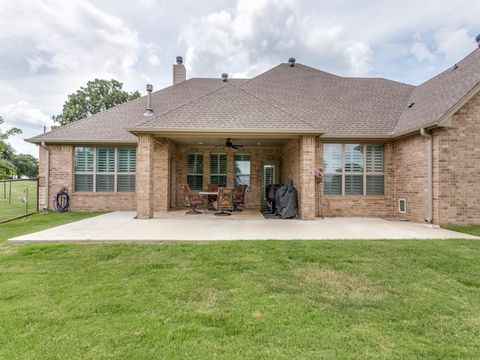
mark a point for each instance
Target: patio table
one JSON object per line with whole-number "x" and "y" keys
{"x": 209, "y": 195}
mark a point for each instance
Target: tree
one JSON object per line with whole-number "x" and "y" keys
{"x": 7, "y": 169}
{"x": 97, "y": 96}
{"x": 26, "y": 165}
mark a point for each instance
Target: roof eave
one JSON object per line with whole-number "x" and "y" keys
{"x": 79, "y": 141}
{"x": 207, "y": 131}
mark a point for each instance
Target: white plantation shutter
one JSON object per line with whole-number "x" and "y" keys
{"x": 84, "y": 166}
{"x": 218, "y": 169}
{"x": 375, "y": 159}
{"x": 127, "y": 162}
{"x": 354, "y": 169}
{"x": 105, "y": 164}
{"x": 195, "y": 171}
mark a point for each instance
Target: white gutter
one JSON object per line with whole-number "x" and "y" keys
{"x": 47, "y": 172}
{"x": 429, "y": 139}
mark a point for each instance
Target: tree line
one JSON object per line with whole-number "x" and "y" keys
{"x": 96, "y": 96}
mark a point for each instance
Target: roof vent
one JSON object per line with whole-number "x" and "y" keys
{"x": 477, "y": 39}
{"x": 149, "y": 110}
{"x": 411, "y": 105}
{"x": 291, "y": 62}
{"x": 179, "y": 60}
{"x": 455, "y": 67}
{"x": 224, "y": 76}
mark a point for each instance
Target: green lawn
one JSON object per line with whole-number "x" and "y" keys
{"x": 467, "y": 229}
{"x": 232, "y": 300}
{"x": 11, "y": 205}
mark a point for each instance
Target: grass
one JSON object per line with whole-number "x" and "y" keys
{"x": 467, "y": 229}
{"x": 11, "y": 205}
{"x": 232, "y": 300}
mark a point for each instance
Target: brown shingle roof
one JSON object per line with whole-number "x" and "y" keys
{"x": 437, "y": 96}
{"x": 228, "y": 107}
{"x": 289, "y": 98}
{"x": 347, "y": 106}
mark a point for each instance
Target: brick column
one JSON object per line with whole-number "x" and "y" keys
{"x": 145, "y": 152}
{"x": 307, "y": 178}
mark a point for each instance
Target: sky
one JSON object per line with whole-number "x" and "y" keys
{"x": 50, "y": 48}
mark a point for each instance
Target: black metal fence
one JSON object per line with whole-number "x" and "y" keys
{"x": 18, "y": 198}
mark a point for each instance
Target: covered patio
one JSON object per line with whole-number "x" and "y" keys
{"x": 168, "y": 159}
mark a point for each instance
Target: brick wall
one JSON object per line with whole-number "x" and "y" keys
{"x": 62, "y": 175}
{"x": 458, "y": 149}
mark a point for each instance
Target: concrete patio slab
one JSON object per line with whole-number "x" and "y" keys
{"x": 248, "y": 225}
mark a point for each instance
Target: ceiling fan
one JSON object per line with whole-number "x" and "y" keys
{"x": 228, "y": 143}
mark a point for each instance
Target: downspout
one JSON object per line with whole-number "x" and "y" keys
{"x": 47, "y": 172}
{"x": 428, "y": 137}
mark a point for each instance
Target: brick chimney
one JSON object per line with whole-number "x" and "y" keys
{"x": 179, "y": 72}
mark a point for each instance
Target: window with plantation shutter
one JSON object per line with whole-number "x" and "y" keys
{"x": 353, "y": 169}
{"x": 105, "y": 169}
{"x": 84, "y": 169}
{"x": 241, "y": 165}
{"x": 375, "y": 169}
{"x": 195, "y": 171}
{"x": 126, "y": 168}
{"x": 218, "y": 169}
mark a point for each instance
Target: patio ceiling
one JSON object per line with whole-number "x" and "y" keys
{"x": 220, "y": 140}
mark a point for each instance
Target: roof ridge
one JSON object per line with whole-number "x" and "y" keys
{"x": 276, "y": 107}
{"x": 180, "y": 106}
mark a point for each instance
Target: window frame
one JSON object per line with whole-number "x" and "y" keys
{"x": 242, "y": 174}
{"x": 364, "y": 173}
{"x": 95, "y": 171}
{"x": 218, "y": 167}
{"x": 196, "y": 154}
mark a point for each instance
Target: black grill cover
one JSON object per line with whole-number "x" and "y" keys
{"x": 286, "y": 200}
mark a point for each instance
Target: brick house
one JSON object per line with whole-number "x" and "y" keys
{"x": 383, "y": 148}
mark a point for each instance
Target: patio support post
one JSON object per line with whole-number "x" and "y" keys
{"x": 144, "y": 176}
{"x": 307, "y": 178}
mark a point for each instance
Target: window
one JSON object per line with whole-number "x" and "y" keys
{"x": 126, "y": 168}
{"x": 354, "y": 169}
{"x": 402, "y": 206}
{"x": 105, "y": 169}
{"x": 241, "y": 165}
{"x": 84, "y": 161}
{"x": 218, "y": 169}
{"x": 195, "y": 171}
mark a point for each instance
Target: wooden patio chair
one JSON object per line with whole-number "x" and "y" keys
{"x": 192, "y": 200}
{"x": 224, "y": 202}
{"x": 239, "y": 197}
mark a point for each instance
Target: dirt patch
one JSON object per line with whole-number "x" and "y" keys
{"x": 334, "y": 284}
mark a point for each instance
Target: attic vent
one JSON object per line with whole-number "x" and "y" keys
{"x": 224, "y": 76}
{"x": 477, "y": 39}
{"x": 291, "y": 62}
{"x": 411, "y": 105}
{"x": 455, "y": 67}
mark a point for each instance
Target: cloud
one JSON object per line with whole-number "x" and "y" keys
{"x": 22, "y": 115}
{"x": 421, "y": 52}
{"x": 259, "y": 34}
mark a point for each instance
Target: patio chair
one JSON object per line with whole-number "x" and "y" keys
{"x": 239, "y": 197}
{"x": 192, "y": 200}
{"x": 224, "y": 202}
{"x": 212, "y": 187}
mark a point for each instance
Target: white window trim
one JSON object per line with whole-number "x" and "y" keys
{"x": 95, "y": 172}
{"x": 364, "y": 173}
{"x": 404, "y": 208}
{"x": 249, "y": 166}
